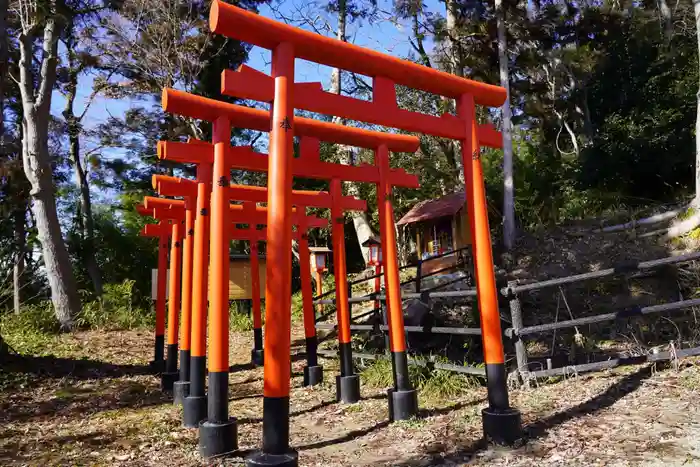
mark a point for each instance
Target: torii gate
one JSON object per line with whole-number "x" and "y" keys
{"x": 173, "y": 211}
{"x": 162, "y": 232}
{"x": 313, "y": 373}
{"x": 245, "y": 159}
{"x": 338, "y": 204}
{"x": 181, "y": 388}
{"x": 303, "y": 223}
{"x": 501, "y": 422}
{"x": 277, "y": 339}
{"x": 173, "y": 186}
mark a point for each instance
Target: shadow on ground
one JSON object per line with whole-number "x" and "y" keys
{"x": 242, "y": 421}
{"x": 55, "y": 447}
{"x": 378, "y": 426}
{"x": 78, "y": 402}
{"x": 58, "y": 367}
{"x": 540, "y": 428}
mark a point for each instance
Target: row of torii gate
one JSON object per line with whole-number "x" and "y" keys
{"x": 197, "y": 228}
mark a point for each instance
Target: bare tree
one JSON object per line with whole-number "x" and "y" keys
{"x": 77, "y": 64}
{"x": 151, "y": 44}
{"x": 508, "y": 191}
{"x": 696, "y": 9}
{"x": 363, "y": 230}
{"x": 36, "y": 104}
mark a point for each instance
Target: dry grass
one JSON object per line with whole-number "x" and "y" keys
{"x": 107, "y": 411}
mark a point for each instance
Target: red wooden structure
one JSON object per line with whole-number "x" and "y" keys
{"x": 162, "y": 232}
{"x": 173, "y": 212}
{"x": 501, "y": 422}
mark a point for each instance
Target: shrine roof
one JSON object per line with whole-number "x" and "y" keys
{"x": 447, "y": 205}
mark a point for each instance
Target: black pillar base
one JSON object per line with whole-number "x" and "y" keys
{"x": 218, "y": 438}
{"x": 261, "y": 459}
{"x": 313, "y": 375}
{"x": 403, "y": 404}
{"x": 502, "y": 426}
{"x": 156, "y": 367}
{"x": 194, "y": 411}
{"x": 181, "y": 389}
{"x": 347, "y": 388}
{"x": 257, "y": 357}
{"x": 167, "y": 380}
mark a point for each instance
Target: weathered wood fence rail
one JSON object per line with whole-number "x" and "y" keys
{"x": 517, "y": 331}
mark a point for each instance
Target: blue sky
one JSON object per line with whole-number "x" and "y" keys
{"x": 381, "y": 35}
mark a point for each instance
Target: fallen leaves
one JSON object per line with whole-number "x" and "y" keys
{"x": 110, "y": 417}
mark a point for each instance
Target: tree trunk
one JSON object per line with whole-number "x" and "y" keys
{"x": 508, "y": 190}
{"x": 19, "y": 217}
{"x": 696, "y": 201}
{"x": 667, "y": 18}
{"x": 363, "y": 231}
{"x": 3, "y": 67}
{"x": 86, "y": 222}
{"x": 457, "y": 64}
{"x": 37, "y": 168}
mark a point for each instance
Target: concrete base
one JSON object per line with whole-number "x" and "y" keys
{"x": 402, "y": 404}
{"x": 217, "y": 438}
{"x": 313, "y": 375}
{"x": 181, "y": 389}
{"x": 347, "y": 389}
{"x": 260, "y": 459}
{"x": 194, "y": 411}
{"x": 502, "y": 427}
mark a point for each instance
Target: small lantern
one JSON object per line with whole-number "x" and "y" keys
{"x": 375, "y": 251}
{"x": 319, "y": 258}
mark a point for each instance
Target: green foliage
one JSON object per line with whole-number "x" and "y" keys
{"x": 378, "y": 374}
{"x": 32, "y": 319}
{"x": 32, "y": 331}
{"x": 35, "y": 325}
{"x": 297, "y": 306}
{"x": 239, "y": 318}
{"x": 117, "y": 309}
{"x": 433, "y": 385}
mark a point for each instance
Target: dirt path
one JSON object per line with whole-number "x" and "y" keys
{"x": 94, "y": 404}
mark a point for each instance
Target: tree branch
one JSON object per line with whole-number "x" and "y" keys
{"x": 48, "y": 65}
{"x": 26, "y": 78}
{"x": 94, "y": 94}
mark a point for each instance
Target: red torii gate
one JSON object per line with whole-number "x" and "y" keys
{"x": 309, "y": 165}
{"x": 277, "y": 338}
{"x": 162, "y": 232}
{"x": 253, "y": 216}
{"x": 313, "y": 373}
{"x": 238, "y": 160}
{"x": 195, "y": 318}
{"x": 181, "y": 388}
{"x": 501, "y": 422}
{"x": 173, "y": 211}
{"x": 191, "y": 152}
{"x": 302, "y": 199}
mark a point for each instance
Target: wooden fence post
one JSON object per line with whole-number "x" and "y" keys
{"x": 516, "y": 315}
